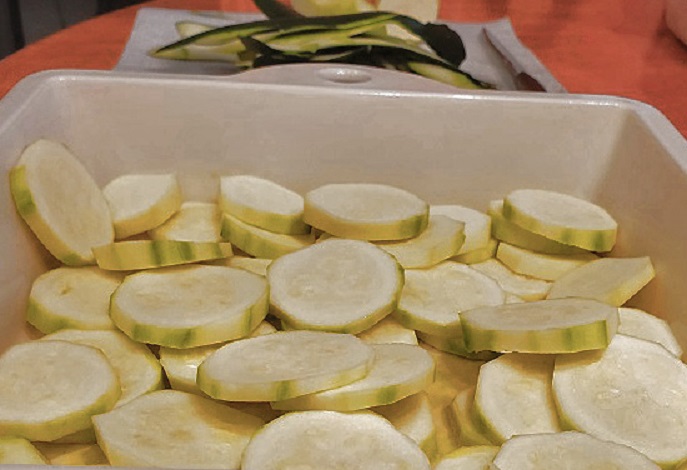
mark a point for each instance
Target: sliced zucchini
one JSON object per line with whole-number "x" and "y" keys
{"x": 19, "y": 451}
{"x": 442, "y": 239}
{"x": 544, "y": 326}
{"x": 413, "y": 417}
{"x": 259, "y": 242}
{"x": 172, "y": 429}
{"x": 479, "y": 255}
{"x": 514, "y": 396}
{"x": 343, "y": 286}
{"x": 506, "y": 231}
{"x": 189, "y": 306}
{"x": 453, "y": 374}
{"x": 562, "y": 218}
{"x": 60, "y": 202}
{"x": 72, "y": 297}
{"x": 540, "y": 265}
{"x": 138, "y": 370}
{"x": 366, "y": 211}
{"x": 634, "y": 392}
{"x": 284, "y": 365}
{"x": 468, "y": 458}
{"x": 461, "y": 408}
{"x": 432, "y": 298}
{"x": 181, "y": 365}
{"x": 568, "y": 451}
{"x": 52, "y": 388}
{"x": 72, "y": 454}
{"x": 388, "y": 330}
{"x": 145, "y": 254}
{"x": 397, "y": 371}
{"x": 455, "y": 344}
{"x": 524, "y": 287}
{"x": 610, "y": 280}
{"x": 331, "y": 439}
{"x": 254, "y": 265}
{"x": 141, "y": 202}
{"x": 643, "y": 325}
{"x": 194, "y": 222}
{"x": 263, "y": 203}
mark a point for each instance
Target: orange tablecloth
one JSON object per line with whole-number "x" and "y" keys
{"x": 612, "y": 47}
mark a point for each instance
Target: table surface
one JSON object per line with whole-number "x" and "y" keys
{"x": 608, "y": 47}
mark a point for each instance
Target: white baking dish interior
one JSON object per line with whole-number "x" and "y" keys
{"x": 461, "y": 148}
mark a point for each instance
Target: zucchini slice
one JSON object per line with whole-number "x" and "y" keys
{"x": 284, "y": 365}
{"x": 567, "y": 450}
{"x": 331, "y": 439}
{"x": 189, "y": 306}
{"x": 544, "y": 326}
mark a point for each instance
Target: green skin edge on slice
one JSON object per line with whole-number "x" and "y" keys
{"x": 252, "y": 243}
{"x": 185, "y": 337}
{"x": 571, "y": 339}
{"x": 401, "y": 230}
{"x": 26, "y": 207}
{"x": 45, "y": 322}
{"x": 593, "y": 240}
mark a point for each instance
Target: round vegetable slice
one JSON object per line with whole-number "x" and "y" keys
{"x": 562, "y": 218}
{"x": 506, "y": 231}
{"x": 52, "y": 388}
{"x": 284, "y": 365}
{"x": 567, "y": 451}
{"x": 145, "y": 254}
{"x": 634, "y": 392}
{"x": 455, "y": 344}
{"x": 413, "y": 417}
{"x": 439, "y": 241}
{"x": 540, "y": 265}
{"x": 525, "y": 287}
{"x": 189, "y": 306}
{"x": 432, "y": 298}
{"x": 514, "y": 396}
{"x": 544, "y": 326}
{"x": 388, "y": 330}
{"x": 19, "y": 451}
{"x": 141, "y": 202}
{"x": 643, "y": 325}
{"x": 366, "y": 211}
{"x": 172, "y": 429}
{"x": 263, "y": 203}
{"x": 479, "y": 255}
{"x": 477, "y": 225}
{"x": 397, "y": 371}
{"x": 60, "y": 202}
{"x": 337, "y": 285}
{"x": 610, "y": 280}
{"x": 253, "y": 265}
{"x": 138, "y": 370}
{"x": 259, "y": 242}
{"x": 330, "y": 439}
{"x": 461, "y": 409}
{"x": 72, "y": 454}
{"x": 181, "y": 365}
{"x": 72, "y": 297}
{"x": 194, "y": 222}
{"x": 468, "y": 458}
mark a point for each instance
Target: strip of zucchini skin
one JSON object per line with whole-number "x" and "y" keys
{"x": 275, "y": 9}
{"x": 235, "y": 31}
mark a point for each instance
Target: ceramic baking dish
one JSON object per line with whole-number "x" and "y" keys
{"x": 333, "y": 124}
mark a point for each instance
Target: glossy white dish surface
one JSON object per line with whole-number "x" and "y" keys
{"x": 316, "y": 127}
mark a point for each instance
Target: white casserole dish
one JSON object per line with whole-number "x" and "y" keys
{"x": 443, "y": 144}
